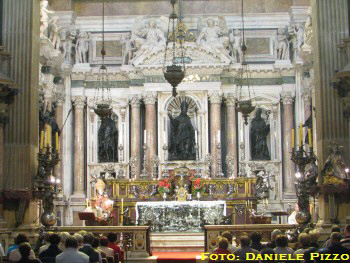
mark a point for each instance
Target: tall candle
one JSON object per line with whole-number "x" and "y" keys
{"x": 41, "y": 140}
{"x": 310, "y": 137}
{"x": 218, "y": 136}
{"x": 301, "y": 135}
{"x": 56, "y": 141}
{"x": 293, "y": 145}
{"x": 196, "y": 137}
{"x": 87, "y": 202}
{"x": 122, "y": 210}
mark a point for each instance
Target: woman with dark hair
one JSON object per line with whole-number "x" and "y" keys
{"x": 112, "y": 238}
{"x": 15, "y": 254}
{"x": 24, "y": 250}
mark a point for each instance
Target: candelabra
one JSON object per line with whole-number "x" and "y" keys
{"x": 198, "y": 169}
{"x": 46, "y": 184}
{"x": 155, "y": 163}
{"x": 133, "y": 162}
{"x": 144, "y": 174}
{"x": 230, "y": 164}
{"x": 242, "y": 171}
{"x": 208, "y": 163}
{"x": 120, "y": 174}
{"x": 220, "y": 174}
{"x": 165, "y": 168}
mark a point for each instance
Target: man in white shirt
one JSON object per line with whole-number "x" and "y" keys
{"x": 291, "y": 218}
{"x": 71, "y": 254}
{"x": 95, "y": 209}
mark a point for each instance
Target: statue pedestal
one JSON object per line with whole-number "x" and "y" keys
{"x": 81, "y": 67}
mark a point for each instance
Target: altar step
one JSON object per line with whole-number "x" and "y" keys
{"x": 177, "y": 242}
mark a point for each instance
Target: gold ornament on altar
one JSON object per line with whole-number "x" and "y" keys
{"x": 182, "y": 33}
{"x": 181, "y": 194}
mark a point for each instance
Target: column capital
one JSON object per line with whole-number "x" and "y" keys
{"x": 230, "y": 99}
{"x": 215, "y": 98}
{"x": 79, "y": 102}
{"x": 135, "y": 101}
{"x": 287, "y": 98}
{"x": 150, "y": 98}
{"x": 59, "y": 99}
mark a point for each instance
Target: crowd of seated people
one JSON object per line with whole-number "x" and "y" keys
{"x": 81, "y": 247}
{"x": 306, "y": 250}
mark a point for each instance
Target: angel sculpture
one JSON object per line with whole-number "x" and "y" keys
{"x": 54, "y": 33}
{"x": 147, "y": 40}
{"x": 297, "y": 33}
{"x": 81, "y": 48}
{"x": 63, "y": 38}
{"x": 308, "y": 29}
{"x": 281, "y": 45}
{"x": 44, "y": 17}
{"x": 235, "y": 46}
{"x": 213, "y": 37}
{"x": 128, "y": 49}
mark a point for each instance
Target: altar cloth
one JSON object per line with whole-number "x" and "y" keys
{"x": 174, "y": 216}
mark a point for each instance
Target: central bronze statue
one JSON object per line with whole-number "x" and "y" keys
{"x": 258, "y": 136}
{"x": 182, "y": 136}
{"x": 107, "y": 141}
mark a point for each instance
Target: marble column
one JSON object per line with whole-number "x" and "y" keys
{"x": 79, "y": 105}
{"x": 215, "y": 126}
{"x": 231, "y": 135}
{"x": 151, "y": 128}
{"x": 59, "y": 99}
{"x": 289, "y": 167}
{"x": 136, "y": 134}
{"x": 3, "y": 122}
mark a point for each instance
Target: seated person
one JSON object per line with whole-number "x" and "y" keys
{"x": 49, "y": 254}
{"x": 274, "y": 234}
{"x": 222, "y": 248}
{"x": 256, "y": 241}
{"x": 245, "y": 248}
{"x": 15, "y": 254}
{"x": 229, "y": 238}
{"x": 95, "y": 209}
{"x": 46, "y": 242}
{"x": 87, "y": 248}
{"x": 96, "y": 244}
{"x": 104, "y": 247}
{"x": 112, "y": 238}
{"x": 25, "y": 252}
{"x": 291, "y": 217}
{"x": 304, "y": 241}
{"x": 71, "y": 254}
{"x": 282, "y": 245}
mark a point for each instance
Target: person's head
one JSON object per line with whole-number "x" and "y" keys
{"x": 255, "y": 237}
{"x": 335, "y": 237}
{"x": 335, "y": 228}
{"x": 96, "y": 242}
{"x": 64, "y": 236}
{"x": 267, "y": 251}
{"x": 47, "y": 236}
{"x": 79, "y": 238}
{"x": 314, "y": 236}
{"x": 275, "y": 233}
{"x": 281, "y": 241}
{"x": 103, "y": 241}
{"x": 112, "y": 237}
{"x": 71, "y": 242}
{"x": 296, "y": 207}
{"x": 228, "y": 236}
{"x": 21, "y": 238}
{"x": 304, "y": 240}
{"x": 93, "y": 202}
{"x": 54, "y": 239}
{"x": 24, "y": 248}
{"x": 88, "y": 239}
{"x": 223, "y": 243}
{"x": 245, "y": 241}
{"x": 82, "y": 233}
{"x": 347, "y": 230}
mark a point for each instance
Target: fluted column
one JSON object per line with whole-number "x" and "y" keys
{"x": 289, "y": 167}
{"x": 231, "y": 135}
{"x": 79, "y": 104}
{"x": 136, "y": 133}
{"x": 215, "y": 125}
{"x": 59, "y": 98}
{"x": 151, "y": 128}
{"x": 3, "y": 122}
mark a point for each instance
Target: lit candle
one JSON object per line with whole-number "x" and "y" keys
{"x": 41, "y": 140}
{"x": 310, "y": 137}
{"x": 87, "y": 202}
{"x": 196, "y": 137}
{"x": 56, "y": 141}
{"x": 293, "y": 138}
{"x": 122, "y": 209}
{"x": 144, "y": 137}
{"x": 49, "y": 135}
{"x": 218, "y": 136}
{"x": 301, "y": 135}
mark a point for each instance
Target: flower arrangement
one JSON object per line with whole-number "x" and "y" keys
{"x": 197, "y": 185}
{"x": 164, "y": 186}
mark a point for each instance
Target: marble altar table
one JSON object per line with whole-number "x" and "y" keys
{"x": 176, "y": 216}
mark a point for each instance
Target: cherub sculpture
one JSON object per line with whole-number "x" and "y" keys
{"x": 212, "y": 36}
{"x": 44, "y": 16}
{"x": 148, "y": 39}
{"x": 128, "y": 49}
{"x": 281, "y": 45}
{"x": 54, "y": 33}
{"x": 236, "y": 46}
{"x": 262, "y": 186}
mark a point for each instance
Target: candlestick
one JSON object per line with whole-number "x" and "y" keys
{"x": 293, "y": 138}
{"x": 122, "y": 209}
{"x": 310, "y": 137}
{"x": 301, "y": 135}
{"x": 165, "y": 138}
{"x": 41, "y": 140}
{"x": 56, "y": 141}
{"x": 196, "y": 137}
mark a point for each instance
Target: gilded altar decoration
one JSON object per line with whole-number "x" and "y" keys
{"x": 182, "y": 33}
{"x": 334, "y": 170}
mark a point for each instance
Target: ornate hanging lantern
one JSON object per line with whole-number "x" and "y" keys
{"x": 175, "y": 72}
{"x": 244, "y": 106}
{"x": 102, "y": 98}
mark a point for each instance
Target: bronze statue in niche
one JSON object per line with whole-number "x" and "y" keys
{"x": 258, "y": 138}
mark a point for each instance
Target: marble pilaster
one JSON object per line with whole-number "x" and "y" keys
{"x": 3, "y": 122}
{"x": 151, "y": 128}
{"x": 231, "y": 136}
{"x": 136, "y": 133}
{"x": 59, "y": 99}
{"x": 215, "y": 126}
{"x": 289, "y": 167}
{"x": 79, "y": 105}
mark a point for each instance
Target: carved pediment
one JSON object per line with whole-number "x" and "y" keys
{"x": 197, "y": 55}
